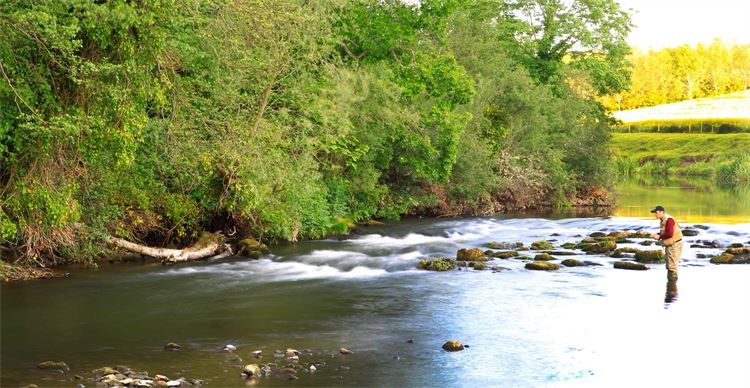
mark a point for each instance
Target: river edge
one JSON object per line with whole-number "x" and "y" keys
{"x": 594, "y": 204}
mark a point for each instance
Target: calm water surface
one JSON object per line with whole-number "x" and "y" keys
{"x": 582, "y": 327}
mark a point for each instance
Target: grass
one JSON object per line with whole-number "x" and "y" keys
{"x": 682, "y": 154}
{"x": 728, "y": 113}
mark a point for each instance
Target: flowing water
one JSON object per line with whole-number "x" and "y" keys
{"x": 583, "y": 327}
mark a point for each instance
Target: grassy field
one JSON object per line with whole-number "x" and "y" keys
{"x": 721, "y": 114}
{"x": 722, "y": 156}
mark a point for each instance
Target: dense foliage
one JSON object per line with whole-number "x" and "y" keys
{"x": 156, "y": 119}
{"x": 683, "y": 73}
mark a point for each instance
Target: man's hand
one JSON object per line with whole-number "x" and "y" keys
{"x": 655, "y": 236}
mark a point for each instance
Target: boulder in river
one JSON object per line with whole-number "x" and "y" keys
{"x": 345, "y": 351}
{"x": 652, "y": 256}
{"x": 569, "y": 245}
{"x": 251, "y": 370}
{"x": 504, "y": 255}
{"x": 572, "y": 263}
{"x": 437, "y": 264}
{"x": 543, "y": 257}
{"x": 53, "y": 365}
{"x": 630, "y": 265}
{"x": 601, "y": 247}
{"x": 252, "y": 248}
{"x": 728, "y": 258}
{"x": 479, "y": 266}
{"x": 542, "y": 266}
{"x": 597, "y": 234}
{"x": 646, "y": 243}
{"x": 453, "y": 346}
{"x": 541, "y": 246}
{"x": 471, "y": 254}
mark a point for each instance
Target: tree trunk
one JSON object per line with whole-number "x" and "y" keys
{"x": 206, "y": 246}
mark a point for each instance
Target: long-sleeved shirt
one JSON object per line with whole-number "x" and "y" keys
{"x": 668, "y": 230}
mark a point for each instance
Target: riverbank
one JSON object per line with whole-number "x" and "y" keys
{"x": 723, "y": 157}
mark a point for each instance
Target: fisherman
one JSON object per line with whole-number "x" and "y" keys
{"x": 670, "y": 236}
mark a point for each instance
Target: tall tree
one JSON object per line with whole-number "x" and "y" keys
{"x": 587, "y": 34}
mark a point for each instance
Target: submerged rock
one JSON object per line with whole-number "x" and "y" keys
{"x": 437, "y": 264}
{"x": 453, "y": 346}
{"x": 345, "y": 351}
{"x": 646, "y": 243}
{"x": 592, "y": 264}
{"x": 630, "y": 265}
{"x": 560, "y": 253}
{"x": 572, "y": 263}
{"x": 53, "y": 365}
{"x": 470, "y": 254}
{"x": 653, "y": 256}
{"x": 687, "y": 232}
{"x": 542, "y": 266}
{"x": 541, "y": 246}
{"x": 172, "y": 346}
{"x": 504, "y": 245}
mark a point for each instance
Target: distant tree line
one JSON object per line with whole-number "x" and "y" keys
{"x": 154, "y": 120}
{"x": 683, "y": 73}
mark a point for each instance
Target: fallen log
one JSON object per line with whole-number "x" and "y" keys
{"x": 207, "y": 245}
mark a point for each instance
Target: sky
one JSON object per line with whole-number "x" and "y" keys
{"x": 671, "y": 23}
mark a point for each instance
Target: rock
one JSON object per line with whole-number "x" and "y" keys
{"x": 257, "y": 354}
{"x": 437, "y": 264}
{"x": 172, "y": 346}
{"x": 174, "y": 383}
{"x": 591, "y": 264}
{"x": 252, "y": 248}
{"x": 704, "y": 227}
{"x": 560, "y": 253}
{"x": 30, "y": 386}
{"x": 618, "y": 235}
{"x": 734, "y": 250}
{"x": 292, "y": 352}
{"x": 572, "y": 263}
{"x": 735, "y": 245}
{"x": 646, "y": 243}
{"x": 127, "y": 381}
{"x": 53, "y": 365}
{"x": 598, "y": 234}
{"x": 653, "y": 256}
{"x": 620, "y": 251}
{"x": 161, "y": 378}
{"x": 543, "y": 257}
{"x": 689, "y": 232}
{"x": 504, "y": 245}
{"x": 630, "y": 265}
{"x": 344, "y": 351}
{"x": 160, "y": 383}
{"x": 701, "y": 255}
{"x": 624, "y": 241}
{"x": 569, "y": 245}
{"x": 542, "y": 266}
{"x": 293, "y": 359}
{"x": 471, "y": 254}
{"x": 640, "y": 234}
{"x": 312, "y": 369}
{"x": 229, "y": 348}
{"x": 122, "y": 369}
{"x": 251, "y": 370}
{"x": 453, "y": 346}
{"x": 479, "y": 266}
{"x": 410, "y": 341}
{"x": 601, "y": 247}
{"x": 724, "y": 258}
{"x": 541, "y": 246}
{"x": 77, "y": 377}
{"x": 504, "y": 255}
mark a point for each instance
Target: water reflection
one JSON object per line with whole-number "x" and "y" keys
{"x": 671, "y": 294}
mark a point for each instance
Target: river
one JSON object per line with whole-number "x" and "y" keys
{"x": 582, "y": 327}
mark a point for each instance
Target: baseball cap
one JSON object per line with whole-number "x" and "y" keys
{"x": 658, "y": 208}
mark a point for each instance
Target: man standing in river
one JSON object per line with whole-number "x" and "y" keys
{"x": 670, "y": 236}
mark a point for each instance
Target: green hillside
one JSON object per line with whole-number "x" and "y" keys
{"x": 679, "y": 153}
